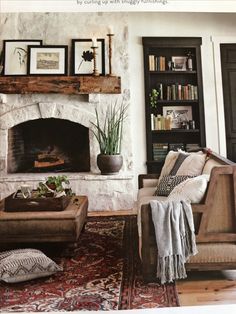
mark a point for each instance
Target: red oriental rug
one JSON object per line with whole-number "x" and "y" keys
{"x": 102, "y": 273}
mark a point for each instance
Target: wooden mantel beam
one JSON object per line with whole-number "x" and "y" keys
{"x": 70, "y": 85}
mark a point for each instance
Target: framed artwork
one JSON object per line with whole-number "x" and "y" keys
{"x": 178, "y": 115}
{"x": 82, "y": 57}
{"x": 47, "y": 60}
{"x": 179, "y": 63}
{"x": 15, "y": 55}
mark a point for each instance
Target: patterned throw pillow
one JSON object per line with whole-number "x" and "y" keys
{"x": 168, "y": 183}
{"x": 25, "y": 264}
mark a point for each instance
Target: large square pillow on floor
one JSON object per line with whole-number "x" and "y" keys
{"x": 25, "y": 264}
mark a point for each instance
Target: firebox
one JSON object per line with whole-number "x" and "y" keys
{"x": 48, "y": 145}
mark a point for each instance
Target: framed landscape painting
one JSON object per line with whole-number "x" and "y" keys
{"x": 82, "y": 57}
{"x": 15, "y": 55}
{"x": 47, "y": 60}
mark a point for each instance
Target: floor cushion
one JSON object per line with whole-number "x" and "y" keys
{"x": 25, "y": 264}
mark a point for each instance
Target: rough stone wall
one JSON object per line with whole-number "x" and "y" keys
{"x": 104, "y": 192}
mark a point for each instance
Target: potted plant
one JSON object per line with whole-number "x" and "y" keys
{"x": 109, "y": 137}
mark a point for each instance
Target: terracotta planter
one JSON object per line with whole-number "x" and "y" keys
{"x": 109, "y": 164}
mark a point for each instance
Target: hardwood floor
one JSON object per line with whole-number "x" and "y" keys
{"x": 208, "y": 288}
{"x": 199, "y": 288}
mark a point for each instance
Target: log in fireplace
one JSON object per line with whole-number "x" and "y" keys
{"x": 45, "y": 145}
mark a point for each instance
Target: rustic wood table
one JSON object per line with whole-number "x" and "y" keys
{"x": 44, "y": 226}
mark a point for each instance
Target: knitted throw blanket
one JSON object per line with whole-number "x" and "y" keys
{"x": 174, "y": 229}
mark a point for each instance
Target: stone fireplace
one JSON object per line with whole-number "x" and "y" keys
{"x": 62, "y": 130}
{"x": 50, "y": 144}
{"x": 28, "y": 121}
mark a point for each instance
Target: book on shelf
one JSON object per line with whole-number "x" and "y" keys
{"x": 160, "y": 151}
{"x": 181, "y": 92}
{"x": 157, "y": 63}
{"x": 176, "y": 146}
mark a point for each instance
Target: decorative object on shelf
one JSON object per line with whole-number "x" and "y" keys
{"x": 95, "y": 47}
{"x": 179, "y": 63}
{"x": 25, "y": 190}
{"x": 153, "y": 97}
{"x": 190, "y": 61}
{"x": 160, "y": 123}
{"x": 47, "y": 60}
{"x": 178, "y": 114}
{"x": 110, "y": 36}
{"x": 109, "y": 136}
{"x": 15, "y": 55}
{"x": 82, "y": 56}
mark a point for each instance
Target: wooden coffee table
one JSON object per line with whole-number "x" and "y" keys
{"x": 44, "y": 226}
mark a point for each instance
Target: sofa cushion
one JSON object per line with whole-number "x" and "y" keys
{"x": 25, "y": 264}
{"x": 180, "y": 159}
{"x": 191, "y": 190}
{"x": 170, "y": 160}
{"x": 192, "y": 165}
{"x": 168, "y": 183}
{"x": 214, "y": 253}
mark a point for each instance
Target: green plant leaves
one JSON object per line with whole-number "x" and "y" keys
{"x": 109, "y": 135}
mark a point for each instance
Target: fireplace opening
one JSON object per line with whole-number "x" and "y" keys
{"x": 48, "y": 145}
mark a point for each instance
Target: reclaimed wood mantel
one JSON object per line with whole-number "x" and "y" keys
{"x": 70, "y": 85}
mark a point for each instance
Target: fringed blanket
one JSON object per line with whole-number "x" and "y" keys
{"x": 174, "y": 229}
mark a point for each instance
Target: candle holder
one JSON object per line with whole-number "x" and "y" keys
{"x": 95, "y": 71}
{"x": 110, "y": 54}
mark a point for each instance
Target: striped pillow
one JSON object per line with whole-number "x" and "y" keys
{"x": 25, "y": 264}
{"x": 168, "y": 183}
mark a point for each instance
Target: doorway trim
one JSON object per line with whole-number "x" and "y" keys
{"x": 216, "y": 41}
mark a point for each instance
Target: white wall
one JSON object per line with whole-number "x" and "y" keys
{"x": 203, "y": 25}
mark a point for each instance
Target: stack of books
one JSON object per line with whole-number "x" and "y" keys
{"x": 160, "y": 151}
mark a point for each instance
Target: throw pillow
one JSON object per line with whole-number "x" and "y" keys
{"x": 169, "y": 163}
{"x": 168, "y": 183}
{"x": 180, "y": 159}
{"x": 191, "y": 190}
{"x": 25, "y": 264}
{"x": 192, "y": 165}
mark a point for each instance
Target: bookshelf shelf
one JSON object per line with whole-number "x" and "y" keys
{"x": 173, "y": 72}
{"x": 164, "y": 101}
{"x": 177, "y": 131}
{"x": 184, "y": 90}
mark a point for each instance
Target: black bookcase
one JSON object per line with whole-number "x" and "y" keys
{"x": 172, "y": 66}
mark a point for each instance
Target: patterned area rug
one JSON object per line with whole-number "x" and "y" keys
{"x": 102, "y": 273}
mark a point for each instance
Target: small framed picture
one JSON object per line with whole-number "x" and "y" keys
{"x": 179, "y": 63}
{"x": 178, "y": 115}
{"x": 47, "y": 60}
{"x": 15, "y": 55}
{"x": 82, "y": 57}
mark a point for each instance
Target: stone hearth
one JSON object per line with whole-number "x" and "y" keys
{"x": 104, "y": 192}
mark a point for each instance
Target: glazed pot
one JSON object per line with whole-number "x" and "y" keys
{"x": 109, "y": 164}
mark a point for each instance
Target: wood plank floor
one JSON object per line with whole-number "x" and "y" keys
{"x": 208, "y": 288}
{"x": 199, "y": 288}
